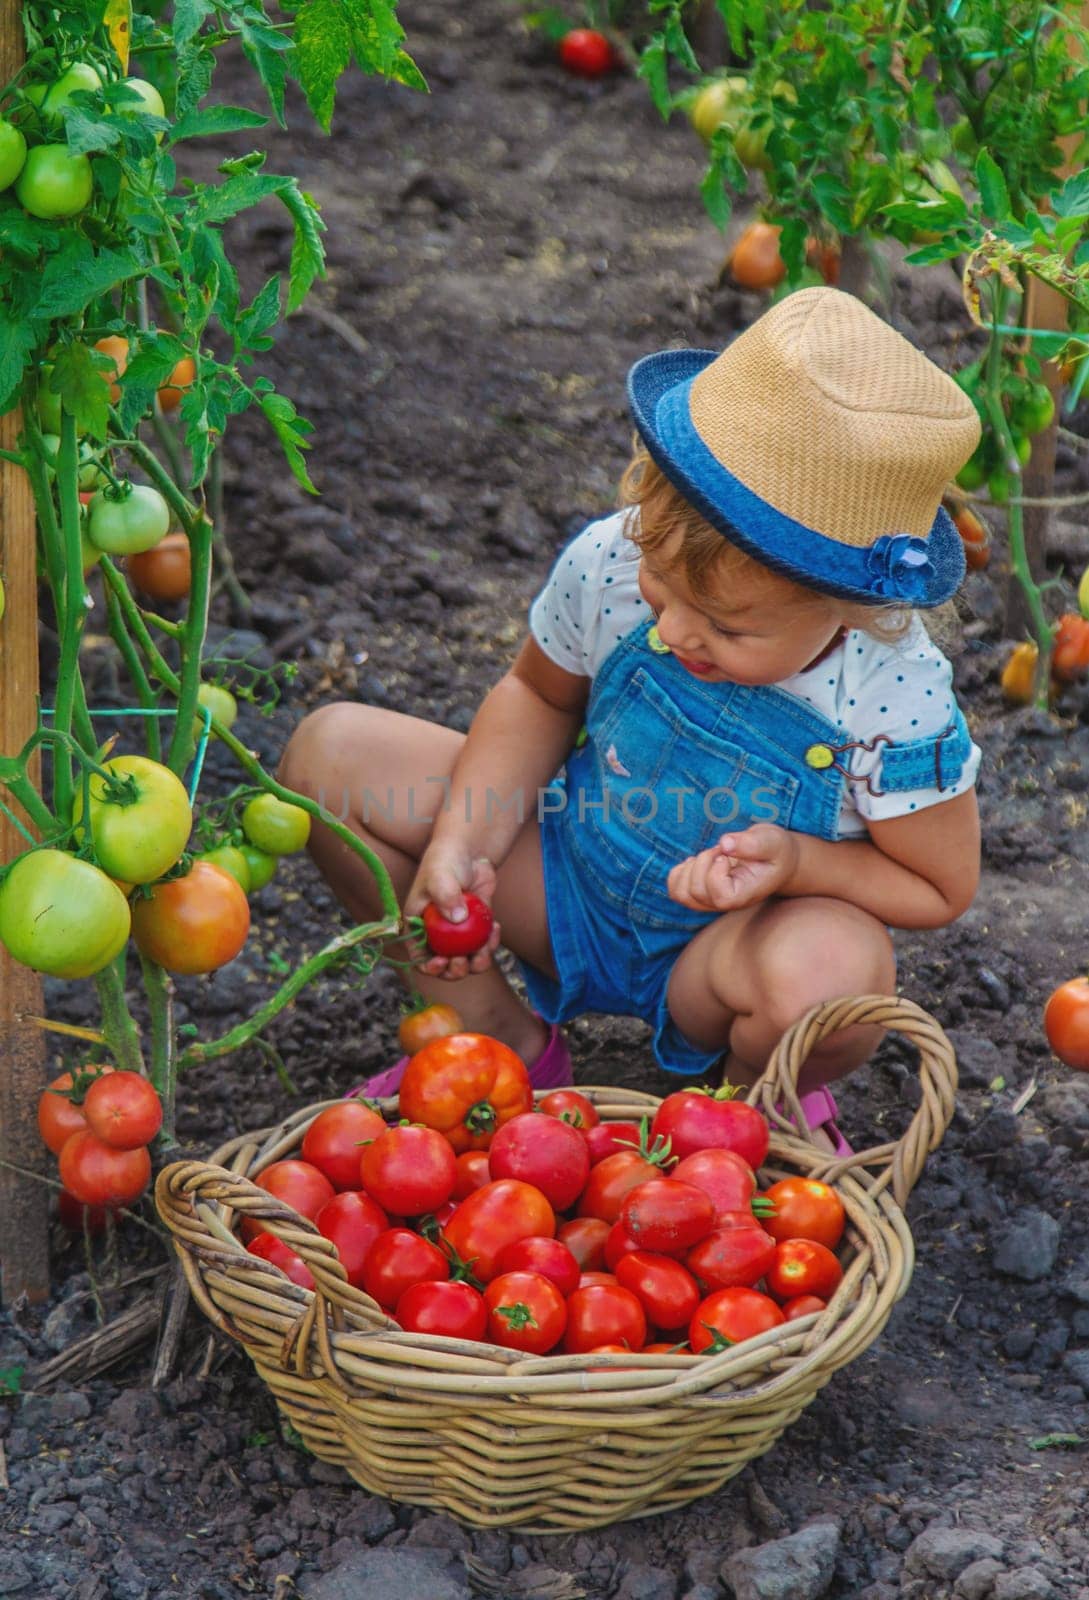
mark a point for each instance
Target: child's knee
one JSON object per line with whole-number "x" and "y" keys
{"x": 315, "y": 744}
{"x": 812, "y": 957}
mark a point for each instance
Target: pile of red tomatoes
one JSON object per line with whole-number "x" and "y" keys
{"x": 99, "y": 1123}
{"x": 546, "y": 1230}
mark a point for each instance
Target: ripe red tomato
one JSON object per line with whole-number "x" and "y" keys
{"x": 739, "y": 1252}
{"x": 702, "y": 1119}
{"x": 801, "y": 1306}
{"x": 722, "y": 1174}
{"x": 1066, "y": 1023}
{"x": 192, "y": 924}
{"x": 586, "y": 1279}
{"x": 473, "y": 1172}
{"x": 803, "y": 1267}
{"x": 618, "y": 1243}
{"x": 495, "y": 1216}
{"x": 269, "y": 1248}
{"x": 551, "y": 1258}
{"x": 587, "y": 53}
{"x": 165, "y": 571}
{"x": 408, "y": 1170}
{"x": 453, "y": 1310}
{"x": 805, "y": 1209}
{"x": 570, "y": 1106}
{"x": 353, "y": 1221}
{"x": 665, "y": 1289}
{"x": 123, "y": 1110}
{"x": 466, "y": 1085}
{"x": 526, "y": 1311}
{"x": 60, "y": 1106}
{"x": 611, "y": 1139}
{"x": 1070, "y": 651}
{"x": 604, "y": 1313}
{"x": 295, "y": 1184}
{"x": 433, "y": 1021}
{"x": 666, "y": 1216}
{"x": 99, "y": 1175}
{"x": 465, "y": 938}
{"x": 614, "y": 1178}
{"x": 729, "y": 1316}
{"x": 545, "y": 1152}
{"x": 396, "y": 1260}
{"x": 585, "y": 1238}
{"x": 335, "y": 1139}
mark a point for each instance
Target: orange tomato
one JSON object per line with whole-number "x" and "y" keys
{"x": 976, "y": 538}
{"x": 467, "y": 1085}
{"x": 805, "y": 1208}
{"x": 435, "y": 1020}
{"x": 1070, "y": 652}
{"x": 755, "y": 262}
{"x": 164, "y": 571}
{"x": 117, "y": 348}
{"x": 1066, "y": 1023}
{"x": 824, "y": 255}
{"x": 1019, "y": 674}
{"x": 195, "y": 923}
{"x": 182, "y": 376}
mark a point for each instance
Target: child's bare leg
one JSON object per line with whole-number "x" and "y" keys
{"x": 744, "y": 979}
{"x": 382, "y": 774}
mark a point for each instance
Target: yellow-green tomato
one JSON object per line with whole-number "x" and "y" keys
{"x": 127, "y": 525}
{"x": 12, "y": 154}
{"x": 1083, "y": 593}
{"x": 232, "y": 858}
{"x": 150, "y": 99}
{"x": 62, "y": 916}
{"x": 140, "y": 823}
{"x": 275, "y": 825}
{"x": 79, "y": 78}
{"x": 220, "y": 702}
{"x": 91, "y": 475}
{"x": 54, "y": 183}
{"x": 720, "y": 103}
{"x": 261, "y": 866}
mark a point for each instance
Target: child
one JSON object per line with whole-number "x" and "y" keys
{"x": 771, "y": 765}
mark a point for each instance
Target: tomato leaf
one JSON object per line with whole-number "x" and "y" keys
{"x": 993, "y": 193}
{"x": 653, "y": 69}
{"x": 18, "y": 338}
{"x": 291, "y": 430}
{"x": 210, "y": 122}
{"x": 307, "y": 251}
{"x": 77, "y": 274}
{"x": 85, "y": 392}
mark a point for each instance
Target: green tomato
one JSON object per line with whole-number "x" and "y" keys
{"x": 54, "y": 183}
{"x": 720, "y": 103}
{"x": 232, "y": 858}
{"x": 79, "y": 78}
{"x": 49, "y": 404}
{"x": 88, "y": 554}
{"x": 61, "y": 915}
{"x": 1000, "y": 486}
{"x": 138, "y": 839}
{"x": 1083, "y": 594}
{"x": 751, "y": 144}
{"x": 1022, "y": 446}
{"x": 973, "y": 472}
{"x": 51, "y": 449}
{"x": 220, "y": 702}
{"x": 275, "y": 825}
{"x": 260, "y": 864}
{"x": 127, "y": 526}
{"x": 91, "y": 475}
{"x": 12, "y": 154}
{"x": 1034, "y": 410}
{"x": 150, "y": 100}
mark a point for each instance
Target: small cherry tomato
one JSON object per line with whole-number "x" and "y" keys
{"x": 473, "y": 1172}
{"x": 180, "y": 378}
{"x": 451, "y": 1310}
{"x": 803, "y": 1267}
{"x": 975, "y": 537}
{"x": 448, "y": 938}
{"x": 262, "y": 866}
{"x": 1070, "y": 651}
{"x": 1066, "y": 1023}
{"x": 611, "y": 1139}
{"x": 275, "y": 826}
{"x": 586, "y": 53}
{"x": 526, "y": 1312}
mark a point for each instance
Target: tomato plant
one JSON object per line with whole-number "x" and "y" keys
{"x": 467, "y": 1085}
{"x": 194, "y": 923}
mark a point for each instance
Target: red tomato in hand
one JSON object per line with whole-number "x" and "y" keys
{"x": 549, "y": 1257}
{"x": 466, "y": 1085}
{"x": 269, "y": 1248}
{"x": 805, "y": 1209}
{"x": 60, "y": 1106}
{"x": 526, "y": 1311}
{"x": 123, "y": 1110}
{"x": 570, "y": 1106}
{"x": 408, "y": 1170}
{"x": 335, "y": 1139}
{"x": 729, "y": 1316}
{"x": 295, "y": 1184}
{"x": 667, "y": 1292}
{"x": 604, "y": 1313}
{"x": 192, "y": 924}
{"x": 396, "y": 1260}
{"x": 611, "y": 1139}
{"x": 702, "y": 1119}
{"x": 723, "y": 1174}
{"x": 1066, "y": 1023}
{"x": 666, "y": 1216}
{"x": 587, "y": 53}
{"x": 585, "y": 1238}
{"x": 611, "y": 1180}
{"x": 464, "y": 938}
{"x": 802, "y": 1267}
{"x": 495, "y": 1216}
{"x": 473, "y": 1172}
{"x": 353, "y": 1221}
{"x": 739, "y": 1252}
{"x": 452, "y": 1310}
{"x": 545, "y": 1152}
{"x": 98, "y": 1175}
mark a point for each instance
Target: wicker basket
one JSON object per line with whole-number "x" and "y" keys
{"x": 553, "y": 1443}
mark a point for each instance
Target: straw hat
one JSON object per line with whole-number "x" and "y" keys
{"x": 819, "y": 441}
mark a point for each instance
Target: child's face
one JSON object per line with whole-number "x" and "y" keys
{"x": 752, "y": 635}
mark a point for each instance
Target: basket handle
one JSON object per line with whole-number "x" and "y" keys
{"x": 901, "y": 1160}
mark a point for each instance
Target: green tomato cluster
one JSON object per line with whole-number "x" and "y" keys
{"x": 1030, "y": 408}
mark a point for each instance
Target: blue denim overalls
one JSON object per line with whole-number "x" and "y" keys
{"x": 668, "y": 764}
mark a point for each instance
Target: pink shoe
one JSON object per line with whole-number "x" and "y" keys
{"x": 820, "y": 1111}
{"x": 551, "y": 1070}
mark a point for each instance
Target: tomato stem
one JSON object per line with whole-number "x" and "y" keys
{"x": 481, "y": 1118}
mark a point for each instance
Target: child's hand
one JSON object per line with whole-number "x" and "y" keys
{"x": 740, "y": 870}
{"x": 445, "y": 876}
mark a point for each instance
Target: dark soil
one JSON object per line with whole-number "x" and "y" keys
{"x": 507, "y": 247}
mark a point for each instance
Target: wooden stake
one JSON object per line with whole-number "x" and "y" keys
{"x": 24, "y": 1253}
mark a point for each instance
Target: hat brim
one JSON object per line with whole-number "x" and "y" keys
{"x": 895, "y": 570}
